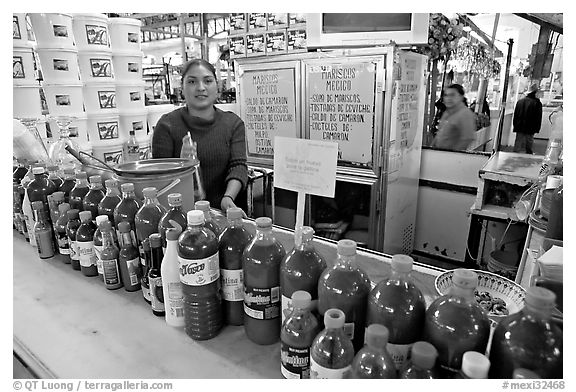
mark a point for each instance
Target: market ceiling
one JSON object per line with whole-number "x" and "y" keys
{"x": 555, "y": 21}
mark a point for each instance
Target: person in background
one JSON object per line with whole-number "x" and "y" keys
{"x": 218, "y": 137}
{"x": 457, "y": 126}
{"x": 527, "y": 120}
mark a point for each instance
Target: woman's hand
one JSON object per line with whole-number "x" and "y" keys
{"x": 189, "y": 147}
{"x": 226, "y": 203}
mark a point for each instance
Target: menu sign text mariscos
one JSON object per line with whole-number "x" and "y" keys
{"x": 341, "y": 99}
{"x": 268, "y": 107}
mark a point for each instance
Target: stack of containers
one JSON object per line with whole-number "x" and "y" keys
{"x": 97, "y": 75}
{"x": 127, "y": 60}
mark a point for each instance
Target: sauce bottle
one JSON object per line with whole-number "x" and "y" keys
{"x": 61, "y": 235}
{"x": 68, "y": 184}
{"x": 17, "y": 208}
{"x": 94, "y": 196}
{"x": 98, "y": 245}
{"x": 53, "y": 175}
{"x": 474, "y": 366}
{"x": 175, "y": 213}
{"x": 261, "y": 264}
{"x": 209, "y": 223}
{"x": 155, "y": 277}
{"x": 332, "y": 351}
{"x": 399, "y": 305}
{"x": 528, "y": 339}
{"x": 109, "y": 255}
{"x": 455, "y": 323}
{"x": 40, "y": 187}
{"x": 127, "y": 208}
{"x": 27, "y": 212}
{"x": 129, "y": 259}
{"x": 346, "y": 286}
{"x": 232, "y": 243}
{"x": 300, "y": 270}
{"x": 147, "y": 217}
{"x": 171, "y": 285}
{"x": 79, "y": 191}
{"x": 374, "y": 360}
{"x": 144, "y": 283}
{"x": 110, "y": 200}
{"x": 296, "y": 337}
{"x": 85, "y": 244}
{"x": 71, "y": 229}
{"x": 54, "y": 200}
{"x": 199, "y": 274}
{"x": 43, "y": 231}
{"x": 421, "y": 364}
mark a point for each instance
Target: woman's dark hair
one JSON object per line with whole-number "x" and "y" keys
{"x": 460, "y": 89}
{"x": 198, "y": 62}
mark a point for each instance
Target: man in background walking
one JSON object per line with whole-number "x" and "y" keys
{"x": 527, "y": 120}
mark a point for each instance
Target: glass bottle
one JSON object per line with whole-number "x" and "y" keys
{"x": 98, "y": 244}
{"x": 199, "y": 192}
{"x": 28, "y": 214}
{"x": 296, "y": 337}
{"x": 332, "y": 351}
{"x": 474, "y": 366}
{"x": 147, "y": 217}
{"x": 127, "y": 208}
{"x": 58, "y": 153}
{"x": 155, "y": 277}
{"x": 175, "y": 213}
{"x": 40, "y": 187}
{"x": 209, "y": 223}
{"x": 53, "y": 176}
{"x": 94, "y": 196}
{"x": 110, "y": 200}
{"x": 132, "y": 148}
{"x": 171, "y": 285}
{"x": 421, "y": 364}
{"x": 71, "y": 229}
{"x": 346, "y": 286}
{"x": 109, "y": 255}
{"x": 17, "y": 208}
{"x": 300, "y": 270}
{"x": 85, "y": 244}
{"x": 54, "y": 201}
{"x": 79, "y": 191}
{"x": 261, "y": 264}
{"x": 399, "y": 305}
{"x": 528, "y": 339}
{"x": 68, "y": 184}
{"x": 455, "y": 323}
{"x": 129, "y": 259}
{"x": 43, "y": 231}
{"x": 144, "y": 283}
{"x": 374, "y": 360}
{"x": 61, "y": 235}
{"x": 231, "y": 245}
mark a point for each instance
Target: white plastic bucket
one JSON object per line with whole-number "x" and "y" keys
{"x": 78, "y": 128}
{"x": 143, "y": 143}
{"x": 100, "y": 97}
{"x": 96, "y": 66}
{"x": 111, "y": 153}
{"x": 130, "y": 96}
{"x": 59, "y": 65}
{"x": 53, "y": 30}
{"x": 157, "y": 111}
{"x": 91, "y": 32}
{"x": 133, "y": 120}
{"x": 124, "y": 34}
{"x": 103, "y": 128}
{"x": 26, "y": 101}
{"x": 19, "y": 32}
{"x": 23, "y": 66}
{"x": 64, "y": 99}
{"x": 127, "y": 66}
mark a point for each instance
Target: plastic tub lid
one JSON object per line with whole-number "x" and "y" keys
{"x": 109, "y": 113}
{"x": 23, "y": 49}
{"x": 90, "y": 16}
{"x": 133, "y": 112}
{"x": 60, "y": 85}
{"x": 126, "y": 21}
{"x": 95, "y": 52}
{"x": 128, "y": 83}
{"x": 99, "y": 84}
{"x": 131, "y": 53}
{"x": 57, "y": 50}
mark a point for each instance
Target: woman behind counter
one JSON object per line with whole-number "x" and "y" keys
{"x": 218, "y": 136}
{"x": 457, "y": 127}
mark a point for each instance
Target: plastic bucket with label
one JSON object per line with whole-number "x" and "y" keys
{"x": 26, "y": 101}
{"x": 19, "y": 32}
{"x": 110, "y": 152}
{"x": 124, "y": 34}
{"x": 53, "y": 30}
{"x": 91, "y": 32}
{"x": 100, "y": 97}
{"x": 96, "y": 67}
{"x": 64, "y": 99}
{"x": 103, "y": 128}
{"x": 59, "y": 65}
{"x": 78, "y": 128}
{"x": 144, "y": 144}
{"x": 133, "y": 120}
{"x": 23, "y": 66}
{"x": 130, "y": 96}
{"x": 157, "y": 111}
{"x": 127, "y": 66}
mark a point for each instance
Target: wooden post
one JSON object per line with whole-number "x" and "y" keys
{"x": 433, "y": 86}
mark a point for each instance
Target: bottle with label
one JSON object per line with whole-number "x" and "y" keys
{"x": 148, "y": 217}
{"x": 455, "y": 323}
{"x": 54, "y": 200}
{"x": 155, "y": 276}
{"x": 296, "y": 337}
{"x": 261, "y": 264}
{"x": 71, "y": 229}
{"x": 170, "y": 271}
{"x": 129, "y": 259}
{"x": 85, "y": 244}
{"x": 421, "y": 364}
{"x": 61, "y": 235}
{"x": 40, "y": 188}
{"x": 200, "y": 277}
{"x": 53, "y": 175}
{"x": 144, "y": 283}
{"x": 528, "y": 339}
{"x": 79, "y": 191}
{"x": 109, "y": 255}
{"x": 300, "y": 270}
{"x": 43, "y": 231}
{"x": 94, "y": 196}
{"x": 110, "y": 200}
{"x": 68, "y": 184}
{"x": 232, "y": 243}
{"x": 399, "y": 305}
{"x": 474, "y": 366}
{"x": 374, "y": 360}
{"x": 17, "y": 208}
{"x": 126, "y": 210}
{"x": 346, "y": 286}
{"x": 28, "y": 214}
{"x": 175, "y": 213}
{"x": 132, "y": 148}
{"x": 209, "y": 223}
{"x": 332, "y": 351}
{"x": 98, "y": 245}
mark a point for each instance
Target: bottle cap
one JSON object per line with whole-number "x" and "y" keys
{"x": 101, "y": 219}
{"x": 73, "y": 214}
{"x": 58, "y": 196}
{"x": 377, "y": 336}
{"x": 307, "y": 233}
{"x": 85, "y": 216}
{"x": 37, "y": 205}
{"x": 175, "y": 199}
{"x": 263, "y": 222}
{"x": 172, "y": 234}
{"x": 146, "y": 244}
{"x": 131, "y": 132}
{"x": 111, "y": 183}
{"x": 95, "y": 179}
{"x": 202, "y": 205}
{"x": 346, "y": 247}
{"x": 424, "y": 355}
{"x": 52, "y": 168}
{"x": 402, "y": 263}
{"x": 106, "y": 226}
{"x": 38, "y": 170}
{"x": 155, "y": 240}
{"x": 81, "y": 175}
{"x": 301, "y": 299}
{"x": 234, "y": 213}
{"x": 127, "y": 187}
{"x": 525, "y": 374}
{"x": 540, "y": 298}
{"x": 334, "y": 318}
{"x": 124, "y": 227}
{"x": 475, "y": 365}
{"x": 69, "y": 171}
{"x": 150, "y": 192}
{"x": 63, "y": 208}
{"x": 195, "y": 217}
{"x": 465, "y": 278}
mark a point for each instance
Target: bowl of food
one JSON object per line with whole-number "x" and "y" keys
{"x": 498, "y": 296}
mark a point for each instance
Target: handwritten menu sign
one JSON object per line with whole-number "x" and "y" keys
{"x": 405, "y": 103}
{"x": 268, "y": 108}
{"x": 340, "y": 103}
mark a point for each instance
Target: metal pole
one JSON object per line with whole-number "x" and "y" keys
{"x": 204, "y": 33}
{"x": 498, "y": 138}
{"x": 183, "y": 38}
